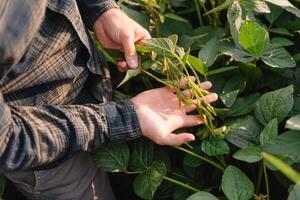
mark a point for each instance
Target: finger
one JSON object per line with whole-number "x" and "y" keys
{"x": 183, "y": 82}
{"x": 211, "y": 97}
{"x": 191, "y": 120}
{"x": 122, "y": 66}
{"x": 129, "y": 51}
{"x": 187, "y": 93}
{"x": 206, "y": 85}
{"x": 177, "y": 139}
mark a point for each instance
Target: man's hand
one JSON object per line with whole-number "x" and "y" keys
{"x": 115, "y": 30}
{"x": 159, "y": 114}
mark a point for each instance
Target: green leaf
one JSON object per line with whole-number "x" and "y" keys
{"x": 228, "y": 48}
{"x": 162, "y": 46}
{"x": 221, "y": 70}
{"x": 274, "y": 14}
{"x": 280, "y": 41}
{"x": 236, "y": 185}
{"x": 141, "y": 155}
{"x": 295, "y": 193}
{"x": 243, "y": 105}
{"x": 293, "y": 123}
{"x": 112, "y": 158}
{"x": 231, "y": 89}
{"x": 130, "y": 73}
{"x": 286, "y": 144}
{"x": 202, "y": 196}
{"x": 234, "y": 16}
{"x": 147, "y": 182}
{"x": 269, "y": 132}
{"x": 176, "y": 17}
{"x": 254, "y": 38}
{"x": 281, "y": 31}
{"x": 139, "y": 17}
{"x": 274, "y": 104}
{"x": 248, "y": 154}
{"x": 197, "y": 64}
{"x": 2, "y": 185}
{"x": 287, "y": 170}
{"x": 285, "y": 4}
{"x": 208, "y": 53}
{"x": 215, "y": 147}
{"x": 243, "y": 131}
{"x": 278, "y": 57}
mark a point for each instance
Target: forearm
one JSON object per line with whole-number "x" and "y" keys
{"x": 91, "y": 9}
{"x": 39, "y": 135}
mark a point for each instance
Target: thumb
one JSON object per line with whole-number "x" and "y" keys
{"x": 130, "y": 53}
{"x": 178, "y": 139}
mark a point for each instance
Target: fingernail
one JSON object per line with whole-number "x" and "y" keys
{"x": 132, "y": 63}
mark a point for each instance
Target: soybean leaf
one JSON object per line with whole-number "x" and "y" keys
{"x": 285, "y": 4}
{"x": 234, "y": 16}
{"x": 139, "y": 17}
{"x": 277, "y": 57}
{"x": 236, "y": 185}
{"x": 197, "y": 64}
{"x": 231, "y": 89}
{"x": 287, "y": 170}
{"x": 248, "y": 154}
{"x": 243, "y": 131}
{"x": 254, "y": 38}
{"x": 141, "y": 155}
{"x": 112, "y": 158}
{"x": 228, "y": 48}
{"x": 279, "y": 41}
{"x": 286, "y": 144}
{"x": 221, "y": 70}
{"x": 208, "y": 53}
{"x": 147, "y": 182}
{"x": 281, "y": 31}
{"x": 202, "y": 196}
{"x": 293, "y": 123}
{"x": 162, "y": 46}
{"x": 274, "y": 14}
{"x": 2, "y": 185}
{"x": 192, "y": 161}
{"x": 215, "y": 147}
{"x": 130, "y": 74}
{"x": 296, "y": 107}
{"x": 176, "y": 17}
{"x": 243, "y": 105}
{"x": 261, "y": 6}
{"x": 274, "y": 104}
{"x": 295, "y": 193}
{"x": 269, "y": 132}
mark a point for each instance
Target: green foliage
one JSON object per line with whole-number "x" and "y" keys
{"x": 236, "y": 185}
{"x": 250, "y": 52}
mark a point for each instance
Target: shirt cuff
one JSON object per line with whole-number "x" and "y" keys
{"x": 92, "y": 9}
{"x": 122, "y": 121}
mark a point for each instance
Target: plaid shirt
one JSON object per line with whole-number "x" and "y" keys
{"x": 52, "y": 81}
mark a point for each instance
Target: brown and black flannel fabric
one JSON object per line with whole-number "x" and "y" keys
{"x": 52, "y": 81}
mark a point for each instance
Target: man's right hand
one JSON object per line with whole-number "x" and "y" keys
{"x": 159, "y": 115}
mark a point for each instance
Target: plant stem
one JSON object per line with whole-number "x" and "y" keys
{"x": 217, "y": 165}
{"x": 157, "y": 79}
{"x": 266, "y": 181}
{"x": 136, "y": 172}
{"x": 186, "y": 186}
{"x": 205, "y": 9}
{"x": 258, "y": 182}
{"x": 198, "y": 13}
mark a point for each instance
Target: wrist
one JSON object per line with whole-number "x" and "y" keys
{"x": 106, "y": 15}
